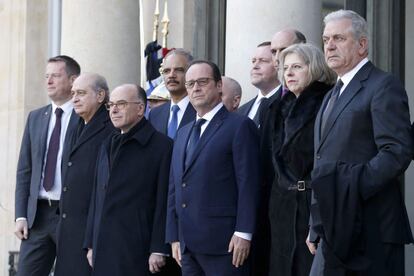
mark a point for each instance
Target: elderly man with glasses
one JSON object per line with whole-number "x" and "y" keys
{"x": 125, "y": 233}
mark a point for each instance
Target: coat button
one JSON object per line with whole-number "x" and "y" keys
{"x": 183, "y": 205}
{"x": 69, "y": 164}
{"x": 318, "y": 157}
{"x": 184, "y": 185}
{"x": 64, "y": 215}
{"x": 65, "y": 189}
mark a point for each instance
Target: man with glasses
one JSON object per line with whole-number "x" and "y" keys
{"x": 125, "y": 234}
{"x": 214, "y": 182}
{"x": 178, "y": 112}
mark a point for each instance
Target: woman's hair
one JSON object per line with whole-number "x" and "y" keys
{"x": 314, "y": 58}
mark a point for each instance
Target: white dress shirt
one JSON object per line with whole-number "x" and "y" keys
{"x": 180, "y": 113}
{"x": 54, "y": 193}
{"x": 257, "y": 102}
{"x": 346, "y": 78}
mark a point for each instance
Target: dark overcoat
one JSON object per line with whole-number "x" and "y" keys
{"x": 131, "y": 202}
{"x": 292, "y": 158}
{"x": 76, "y": 193}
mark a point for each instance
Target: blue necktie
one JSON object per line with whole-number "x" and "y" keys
{"x": 52, "y": 152}
{"x": 172, "y": 127}
{"x": 193, "y": 142}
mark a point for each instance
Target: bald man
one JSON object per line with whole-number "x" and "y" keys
{"x": 231, "y": 93}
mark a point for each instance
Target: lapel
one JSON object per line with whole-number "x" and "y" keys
{"x": 188, "y": 116}
{"x": 44, "y": 127}
{"x": 182, "y": 143}
{"x": 96, "y": 124}
{"x": 208, "y": 133}
{"x": 353, "y": 88}
{"x": 245, "y": 111}
{"x": 164, "y": 116}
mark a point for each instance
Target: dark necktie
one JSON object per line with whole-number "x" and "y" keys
{"x": 256, "y": 118}
{"x": 193, "y": 142}
{"x": 331, "y": 103}
{"x": 172, "y": 127}
{"x": 50, "y": 168}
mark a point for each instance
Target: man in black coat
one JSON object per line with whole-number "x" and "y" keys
{"x": 364, "y": 121}
{"x": 126, "y": 225}
{"x": 90, "y": 93}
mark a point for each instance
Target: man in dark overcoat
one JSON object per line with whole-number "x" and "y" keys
{"x": 89, "y": 95}
{"x": 126, "y": 225}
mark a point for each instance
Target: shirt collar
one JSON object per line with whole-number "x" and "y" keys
{"x": 182, "y": 104}
{"x": 347, "y": 77}
{"x": 66, "y": 107}
{"x": 268, "y": 95}
{"x": 209, "y": 115}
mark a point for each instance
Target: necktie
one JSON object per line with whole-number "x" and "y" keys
{"x": 256, "y": 118}
{"x": 331, "y": 103}
{"x": 194, "y": 138}
{"x": 172, "y": 127}
{"x": 50, "y": 168}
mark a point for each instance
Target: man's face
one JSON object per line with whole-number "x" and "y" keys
{"x": 280, "y": 41}
{"x": 85, "y": 100}
{"x": 206, "y": 96}
{"x": 263, "y": 74}
{"x": 342, "y": 51}
{"x": 58, "y": 83}
{"x": 173, "y": 72}
{"x": 128, "y": 109}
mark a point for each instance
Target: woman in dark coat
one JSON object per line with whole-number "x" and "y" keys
{"x": 304, "y": 72}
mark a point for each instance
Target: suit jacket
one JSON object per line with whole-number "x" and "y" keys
{"x": 76, "y": 194}
{"x": 370, "y": 125}
{"x": 128, "y": 207}
{"x": 159, "y": 117}
{"x": 245, "y": 108}
{"x": 31, "y": 160}
{"x": 218, "y": 191}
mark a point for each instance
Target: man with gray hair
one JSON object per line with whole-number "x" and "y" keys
{"x": 363, "y": 144}
{"x": 231, "y": 93}
{"x": 89, "y": 95}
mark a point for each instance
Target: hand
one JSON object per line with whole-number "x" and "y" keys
{"x": 89, "y": 256}
{"x": 21, "y": 230}
{"x": 176, "y": 253}
{"x": 240, "y": 248}
{"x": 311, "y": 246}
{"x": 155, "y": 262}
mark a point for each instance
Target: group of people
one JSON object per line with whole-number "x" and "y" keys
{"x": 301, "y": 180}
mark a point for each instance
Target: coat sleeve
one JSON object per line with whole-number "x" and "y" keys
{"x": 24, "y": 173}
{"x": 392, "y": 135}
{"x": 158, "y": 243}
{"x": 246, "y": 164}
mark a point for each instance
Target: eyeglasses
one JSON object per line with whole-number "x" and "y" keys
{"x": 120, "y": 105}
{"x": 200, "y": 82}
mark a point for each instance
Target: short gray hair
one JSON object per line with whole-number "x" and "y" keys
{"x": 99, "y": 83}
{"x": 314, "y": 58}
{"x": 180, "y": 51}
{"x": 359, "y": 24}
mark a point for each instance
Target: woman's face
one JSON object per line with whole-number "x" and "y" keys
{"x": 295, "y": 73}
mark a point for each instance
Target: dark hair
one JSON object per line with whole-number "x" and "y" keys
{"x": 213, "y": 66}
{"x": 265, "y": 43}
{"x": 72, "y": 67}
{"x": 142, "y": 96}
{"x": 300, "y": 37}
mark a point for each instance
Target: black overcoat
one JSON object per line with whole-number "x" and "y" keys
{"x": 292, "y": 158}
{"x": 76, "y": 192}
{"x": 128, "y": 210}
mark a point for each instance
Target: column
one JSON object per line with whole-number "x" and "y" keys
{"x": 252, "y": 22}
{"x": 103, "y": 36}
